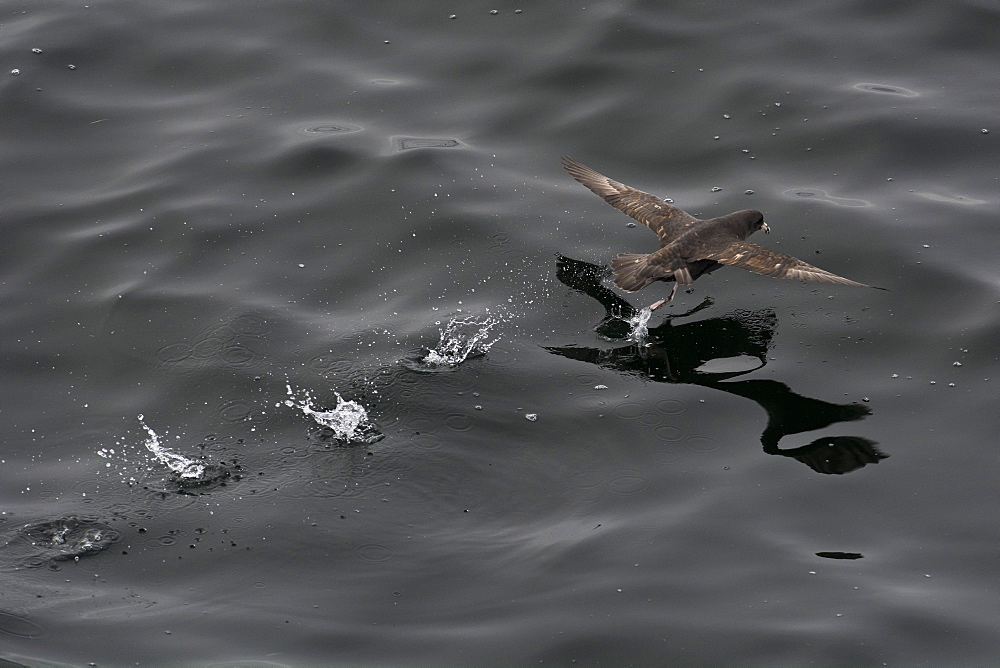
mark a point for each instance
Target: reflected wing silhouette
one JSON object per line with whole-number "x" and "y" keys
{"x": 589, "y": 279}
{"x": 676, "y": 354}
{"x": 835, "y": 454}
{"x": 788, "y": 412}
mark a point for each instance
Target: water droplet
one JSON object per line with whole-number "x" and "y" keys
{"x": 716, "y": 189}
{"x": 748, "y": 192}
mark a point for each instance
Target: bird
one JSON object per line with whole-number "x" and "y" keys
{"x": 691, "y": 247}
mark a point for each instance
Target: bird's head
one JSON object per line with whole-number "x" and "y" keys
{"x": 749, "y": 221}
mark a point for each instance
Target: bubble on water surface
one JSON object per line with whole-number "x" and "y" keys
{"x": 408, "y": 143}
{"x": 885, "y": 89}
{"x": 374, "y": 552}
{"x": 332, "y": 128}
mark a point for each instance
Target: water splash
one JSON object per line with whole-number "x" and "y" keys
{"x": 348, "y": 420}
{"x": 639, "y": 325}
{"x": 45, "y": 542}
{"x": 184, "y": 468}
{"x": 462, "y": 338}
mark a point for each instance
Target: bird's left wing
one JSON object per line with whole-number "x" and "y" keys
{"x": 761, "y": 260}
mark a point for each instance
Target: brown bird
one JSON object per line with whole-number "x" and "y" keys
{"x": 689, "y": 246}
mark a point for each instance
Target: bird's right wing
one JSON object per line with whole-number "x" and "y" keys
{"x": 666, "y": 220}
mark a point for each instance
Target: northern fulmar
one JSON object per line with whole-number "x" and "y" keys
{"x": 689, "y": 246}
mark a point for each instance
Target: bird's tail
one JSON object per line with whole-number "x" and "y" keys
{"x": 633, "y": 271}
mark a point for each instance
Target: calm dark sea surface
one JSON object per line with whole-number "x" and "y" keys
{"x": 248, "y": 223}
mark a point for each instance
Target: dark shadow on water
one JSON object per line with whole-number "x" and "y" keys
{"x": 677, "y": 354}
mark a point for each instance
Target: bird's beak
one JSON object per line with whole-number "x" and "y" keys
{"x": 765, "y": 228}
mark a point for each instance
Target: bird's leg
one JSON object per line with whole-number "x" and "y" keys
{"x": 658, "y": 304}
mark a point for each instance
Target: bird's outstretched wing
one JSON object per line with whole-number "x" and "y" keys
{"x": 761, "y": 260}
{"x": 666, "y": 220}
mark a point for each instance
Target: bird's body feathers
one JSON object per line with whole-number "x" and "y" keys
{"x": 691, "y": 247}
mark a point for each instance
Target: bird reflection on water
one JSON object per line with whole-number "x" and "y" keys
{"x": 677, "y": 354}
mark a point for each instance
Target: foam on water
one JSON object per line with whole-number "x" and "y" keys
{"x": 348, "y": 420}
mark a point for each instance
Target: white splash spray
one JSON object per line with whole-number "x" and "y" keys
{"x": 179, "y": 464}
{"x": 348, "y": 420}
{"x": 639, "y": 326}
{"x": 462, "y": 338}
